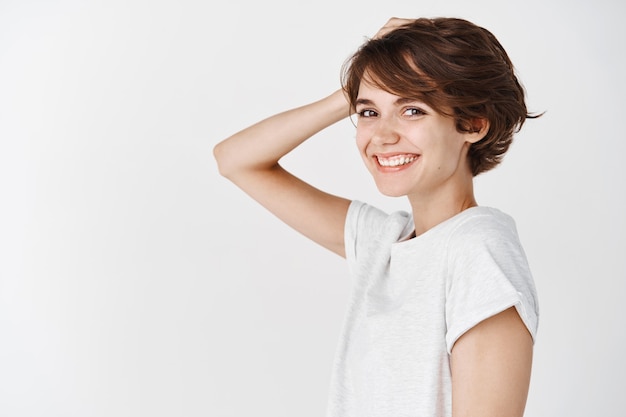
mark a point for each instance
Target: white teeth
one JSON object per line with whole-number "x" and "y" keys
{"x": 395, "y": 161}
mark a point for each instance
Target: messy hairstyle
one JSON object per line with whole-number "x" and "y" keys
{"x": 454, "y": 66}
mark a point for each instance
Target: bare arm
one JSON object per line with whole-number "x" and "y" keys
{"x": 491, "y": 366}
{"x": 250, "y": 158}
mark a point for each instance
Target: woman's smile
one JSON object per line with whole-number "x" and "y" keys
{"x": 395, "y": 162}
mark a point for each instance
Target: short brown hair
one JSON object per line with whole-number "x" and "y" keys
{"x": 448, "y": 63}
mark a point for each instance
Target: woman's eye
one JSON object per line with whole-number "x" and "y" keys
{"x": 413, "y": 111}
{"x": 367, "y": 113}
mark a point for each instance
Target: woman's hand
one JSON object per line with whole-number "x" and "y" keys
{"x": 392, "y": 24}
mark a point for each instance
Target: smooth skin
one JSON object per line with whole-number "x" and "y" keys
{"x": 410, "y": 150}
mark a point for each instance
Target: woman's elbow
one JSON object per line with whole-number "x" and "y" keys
{"x": 221, "y": 158}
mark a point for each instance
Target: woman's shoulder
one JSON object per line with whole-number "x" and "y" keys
{"x": 484, "y": 231}
{"x": 483, "y": 222}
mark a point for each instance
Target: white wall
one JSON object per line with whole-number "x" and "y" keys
{"x": 134, "y": 281}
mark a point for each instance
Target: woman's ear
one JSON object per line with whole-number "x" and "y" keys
{"x": 478, "y": 130}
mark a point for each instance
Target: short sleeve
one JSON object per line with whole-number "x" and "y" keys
{"x": 351, "y": 229}
{"x": 487, "y": 273}
{"x": 369, "y": 233}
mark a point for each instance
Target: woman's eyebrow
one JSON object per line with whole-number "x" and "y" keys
{"x": 399, "y": 101}
{"x": 406, "y": 100}
{"x": 363, "y": 101}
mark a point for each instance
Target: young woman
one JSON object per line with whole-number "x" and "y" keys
{"x": 443, "y": 313}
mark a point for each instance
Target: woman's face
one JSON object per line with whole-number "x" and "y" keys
{"x": 408, "y": 147}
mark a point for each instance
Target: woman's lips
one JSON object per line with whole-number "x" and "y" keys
{"x": 395, "y": 161}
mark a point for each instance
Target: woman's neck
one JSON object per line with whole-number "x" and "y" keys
{"x": 429, "y": 211}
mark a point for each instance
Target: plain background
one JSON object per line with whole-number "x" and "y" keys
{"x": 135, "y": 281}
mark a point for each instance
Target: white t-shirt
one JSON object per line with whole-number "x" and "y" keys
{"x": 412, "y": 299}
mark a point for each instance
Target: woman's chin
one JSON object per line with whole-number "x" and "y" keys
{"x": 388, "y": 191}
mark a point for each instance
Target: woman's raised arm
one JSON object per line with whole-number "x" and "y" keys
{"x": 250, "y": 158}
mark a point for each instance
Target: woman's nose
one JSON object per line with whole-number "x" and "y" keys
{"x": 386, "y": 132}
